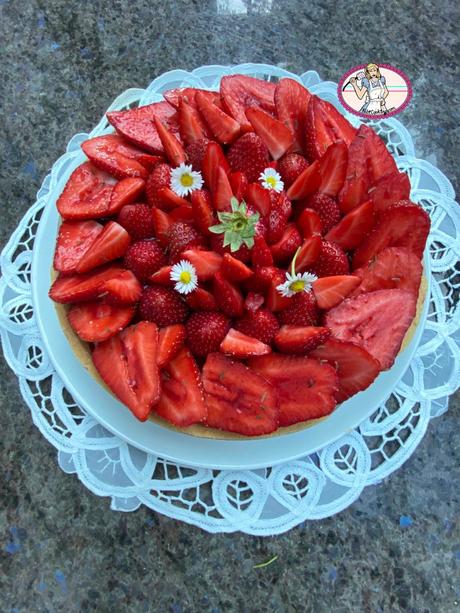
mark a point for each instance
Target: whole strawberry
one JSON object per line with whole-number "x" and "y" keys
{"x": 327, "y": 209}
{"x": 144, "y": 258}
{"x": 158, "y": 178}
{"x": 195, "y": 153}
{"x": 290, "y": 166}
{"x": 205, "y": 331}
{"x": 162, "y": 306}
{"x": 302, "y": 311}
{"x": 261, "y": 324}
{"x": 182, "y": 236}
{"x": 332, "y": 261}
{"x": 248, "y": 154}
{"x": 137, "y": 220}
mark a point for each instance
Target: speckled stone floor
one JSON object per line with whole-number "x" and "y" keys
{"x": 61, "y": 548}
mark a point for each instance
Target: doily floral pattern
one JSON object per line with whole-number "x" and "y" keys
{"x": 271, "y": 500}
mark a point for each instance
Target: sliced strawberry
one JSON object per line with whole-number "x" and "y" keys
{"x": 223, "y": 127}
{"x": 392, "y": 268}
{"x": 240, "y": 92}
{"x": 356, "y": 368}
{"x": 277, "y": 137}
{"x": 239, "y": 183}
{"x": 309, "y": 252}
{"x": 161, "y": 222}
{"x": 285, "y": 248}
{"x": 124, "y": 192}
{"x": 169, "y": 200}
{"x": 162, "y": 276}
{"x": 242, "y": 346}
{"x": 127, "y": 364}
{"x": 201, "y": 300}
{"x": 306, "y": 389}
{"x": 234, "y": 270}
{"x": 121, "y": 289}
{"x": 324, "y": 126}
{"x": 389, "y": 189}
{"x": 222, "y": 191}
{"x": 309, "y": 223}
{"x": 213, "y": 159}
{"x": 380, "y": 162}
{"x": 352, "y": 229}
{"x": 306, "y": 183}
{"x": 188, "y": 94}
{"x": 182, "y": 401}
{"x": 300, "y": 340}
{"x": 376, "y": 321}
{"x": 111, "y": 244}
{"x": 79, "y": 288}
{"x": 170, "y": 340}
{"x": 261, "y": 254}
{"x": 202, "y": 210}
{"x": 402, "y": 225}
{"x": 191, "y": 126}
{"x": 183, "y": 213}
{"x": 206, "y": 263}
{"x": 238, "y": 399}
{"x": 86, "y": 194}
{"x": 275, "y": 300}
{"x": 137, "y": 125}
{"x": 333, "y": 169}
{"x": 357, "y": 181}
{"x": 228, "y": 297}
{"x": 174, "y": 151}
{"x": 258, "y": 198}
{"x": 291, "y": 101}
{"x": 73, "y": 241}
{"x": 330, "y": 291}
{"x": 352, "y": 194}
{"x": 112, "y": 154}
{"x": 95, "y": 321}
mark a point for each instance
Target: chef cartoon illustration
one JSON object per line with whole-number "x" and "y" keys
{"x": 373, "y": 86}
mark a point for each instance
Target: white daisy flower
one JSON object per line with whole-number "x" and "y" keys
{"x": 185, "y": 180}
{"x": 184, "y": 274}
{"x": 296, "y": 283}
{"x": 271, "y": 180}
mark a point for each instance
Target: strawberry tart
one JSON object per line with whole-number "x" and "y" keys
{"x": 237, "y": 262}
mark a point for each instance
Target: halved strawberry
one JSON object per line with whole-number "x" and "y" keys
{"x": 352, "y": 229}
{"x": 79, "y": 288}
{"x": 332, "y": 260}
{"x": 182, "y": 401}
{"x": 201, "y": 300}
{"x": 253, "y": 301}
{"x": 389, "y": 189}
{"x": 188, "y": 94}
{"x": 112, "y": 154}
{"x": 402, "y": 225}
{"x": 239, "y": 183}
{"x": 95, "y": 321}
{"x": 333, "y": 169}
{"x": 202, "y": 210}
{"x": 249, "y": 154}
{"x": 127, "y": 364}
{"x": 302, "y": 310}
{"x": 261, "y": 254}
{"x": 300, "y": 340}
{"x": 221, "y": 191}
{"x": 168, "y": 200}
{"x": 277, "y": 137}
{"x": 213, "y": 159}
{"x": 376, "y": 321}
{"x": 191, "y": 126}
{"x": 228, "y": 297}
{"x": 285, "y": 248}
{"x": 206, "y": 263}
{"x": 356, "y": 368}
{"x": 258, "y": 198}
{"x": 238, "y": 399}
{"x": 124, "y": 192}
{"x": 306, "y": 183}
{"x": 174, "y": 151}
{"x": 309, "y": 252}
{"x": 137, "y": 125}
{"x": 275, "y": 301}
{"x": 242, "y": 346}
{"x": 121, "y": 289}
{"x": 330, "y": 291}
{"x": 306, "y": 389}
{"x": 392, "y": 268}
{"x": 240, "y": 92}
{"x": 234, "y": 269}
{"x": 86, "y": 194}
{"x": 109, "y": 245}
{"x": 170, "y": 341}
{"x": 291, "y": 101}
{"x": 161, "y": 222}
{"x": 162, "y": 276}
{"x": 73, "y": 241}
{"x": 223, "y": 127}
{"x": 309, "y": 223}
{"x": 183, "y": 213}
{"x": 324, "y": 126}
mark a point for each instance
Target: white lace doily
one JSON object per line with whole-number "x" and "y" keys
{"x": 271, "y": 500}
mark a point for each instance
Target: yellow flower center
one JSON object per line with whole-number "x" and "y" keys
{"x": 186, "y": 180}
{"x": 297, "y": 286}
{"x": 185, "y": 277}
{"x": 271, "y": 181}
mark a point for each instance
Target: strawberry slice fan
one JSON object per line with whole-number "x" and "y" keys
{"x": 232, "y": 302}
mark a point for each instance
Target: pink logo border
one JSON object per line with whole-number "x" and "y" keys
{"x": 365, "y": 115}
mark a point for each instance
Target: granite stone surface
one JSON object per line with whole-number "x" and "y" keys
{"x": 61, "y": 548}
